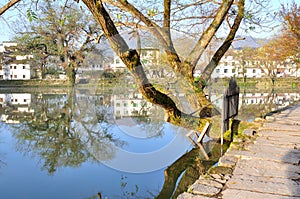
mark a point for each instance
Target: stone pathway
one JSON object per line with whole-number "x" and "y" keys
{"x": 269, "y": 168}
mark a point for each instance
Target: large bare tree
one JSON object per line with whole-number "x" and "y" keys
{"x": 228, "y": 12}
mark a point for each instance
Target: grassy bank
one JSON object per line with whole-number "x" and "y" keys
{"x": 34, "y": 83}
{"x": 108, "y": 84}
{"x": 280, "y": 84}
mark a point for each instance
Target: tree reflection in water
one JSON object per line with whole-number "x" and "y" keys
{"x": 60, "y": 130}
{"x": 188, "y": 168}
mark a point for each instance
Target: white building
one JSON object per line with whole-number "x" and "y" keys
{"x": 230, "y": 66}
{"x": 131, "y": 105}
{"x": 15, "y": 104}
{"x": 13, "y": 67}
{"x": 148, "y": 56}
{"x": 226, "y": 68}
{"x": 252, "y": 72}
{"x": 7, "y": 44}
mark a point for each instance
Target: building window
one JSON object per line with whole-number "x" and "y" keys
{"x": 254, "y": 71}
{"x": 1, "y": 76}
{"x": 233, "y": 70}
{"x": 117, "y": 61}
{"x": 24, "y": 76}
{"x": 15, "y": 67}
{"x": 24, "y": 67}
{"x": 125, "y": 104}
{"x": 225, "y": 63}
{"x": 118, "y": 104}
{"x": 15, "y": 76}
{"x": 218, "y": 70}
{"x": 233, "y": 63}
{"x": 1, "y": 99}
{"x": 135, "y": 104}
{"x": 225, "y": 70}
{"x": 10, "y": 67}
{"x": 10, "y": 76}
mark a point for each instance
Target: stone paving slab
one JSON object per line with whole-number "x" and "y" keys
{"x": 278, "y": 132}
{"x": 228, "y": 161}
{"x": 272, "y": 149}
{"x": 274, "y": 154}
{"x": 265, "y": 168}
{"x": 269, "y": 185}
{"x": 186, "y": 195}
{"x": 285, "y": 127}
{"x": 278, "y": 142}
{"x": 243, "y": 194}
{"x": 204, "y": 189}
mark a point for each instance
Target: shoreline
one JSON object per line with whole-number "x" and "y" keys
{"x": 213, "y": 183}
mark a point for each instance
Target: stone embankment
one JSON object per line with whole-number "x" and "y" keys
{"x": 268, "y": 167}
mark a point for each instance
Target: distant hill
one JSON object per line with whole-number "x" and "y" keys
{"x": 250, "y": 42}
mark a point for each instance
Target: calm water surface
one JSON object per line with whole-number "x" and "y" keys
{"x": 75, "y": 144}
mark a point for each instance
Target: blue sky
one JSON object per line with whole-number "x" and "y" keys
{"x": 6, "y": 32}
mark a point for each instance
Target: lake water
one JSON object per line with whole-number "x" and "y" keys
{"x": 78, "y": 143}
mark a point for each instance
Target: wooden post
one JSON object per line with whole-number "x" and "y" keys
{"x": 199, "y": 138}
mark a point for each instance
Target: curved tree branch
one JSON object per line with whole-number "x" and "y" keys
{"x": 226, "y": 44}
{"x": 207, "y": 36}
{"x": 8, "y": 6}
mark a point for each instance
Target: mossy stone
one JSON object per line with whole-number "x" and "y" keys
{"x": 220, "y": 170}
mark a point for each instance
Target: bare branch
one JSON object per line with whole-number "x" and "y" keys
{"x": 226, "y": 44}
{"x": 8, "y": 5}
{"x": 209, "y": 33}
{"x": 167, "y": 13}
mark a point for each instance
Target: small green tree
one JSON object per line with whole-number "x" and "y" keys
{"x": 59, "y": 33}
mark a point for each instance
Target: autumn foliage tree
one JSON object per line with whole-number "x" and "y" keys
{"x": 287, "y": 42}
{"x": 289, "y": 38}
{"x": 283, "y": 46}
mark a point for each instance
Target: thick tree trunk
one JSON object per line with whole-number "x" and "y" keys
{"x": 132, "y": 60}
{"x": 71, "y": 74}
{"x": 172, "y": 113}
